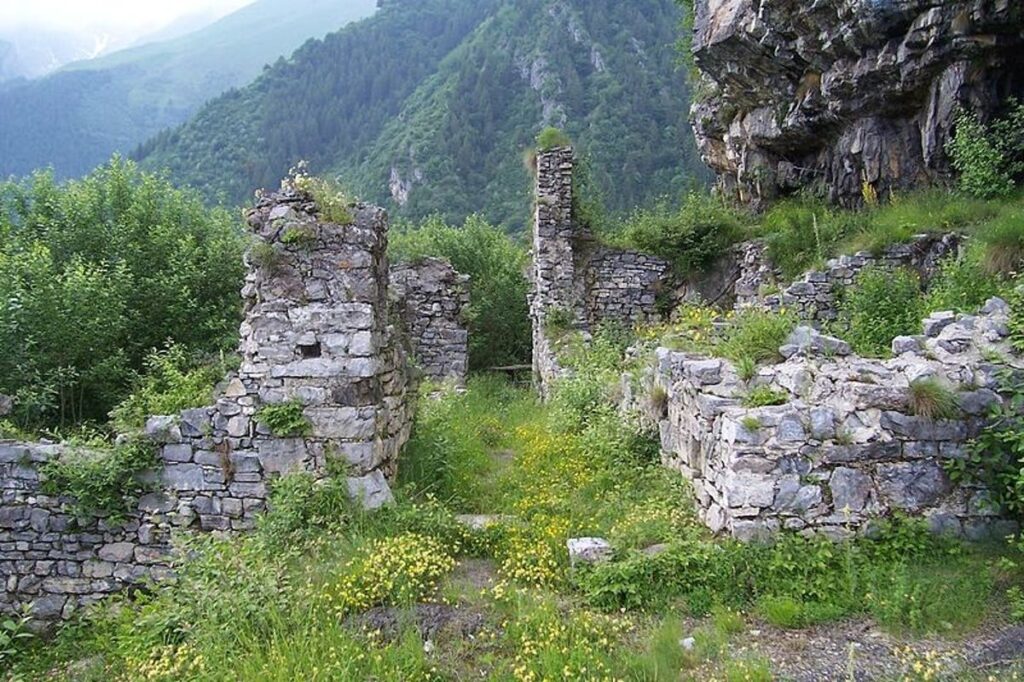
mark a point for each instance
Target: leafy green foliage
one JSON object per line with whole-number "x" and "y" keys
{"x": 762, "y": 396}
{"x": 881, "y": 305}
{"x": 429, "y": 99}
{"x": 102, "y": 481}
{"x": 962, "y": 283}
{"x": 331, "y": 199}
{"x": 692, "y": 236}
{"x": 172, "y": 380}
{"x": 801, "y": 234}
{"x": 989, "y": 158}
{"x": 497, "y": 317}
{"x": 96, "y": 273}
{"x": 456, "y": 439}
{"x": 756, "y": 335}
{"x": 995, "y": 459}
{"x": 1003, "y": 239}
{"x": 14, "y": 636}
{"x": 285, "y": 420}
{"x": 550, "y": 138}
{"x": 932, "y": 399}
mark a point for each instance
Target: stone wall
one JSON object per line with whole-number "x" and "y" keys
{"x": 432, "y": 297}
{"x": 814, "y": 296}
{"x": 58, "y": 562}
{"x": 845, "y": 445}
{"x": 582, "y": 282}
{"x": 319, "y": 331}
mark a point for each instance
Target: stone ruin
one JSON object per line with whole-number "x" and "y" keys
{"x": 844, "y": 447}
{"x": 576, "y": 278}
{"x": 326, "y": 325}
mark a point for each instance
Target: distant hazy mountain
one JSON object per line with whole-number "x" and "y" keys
{"x": 35, "y": 52}
{"x": 428, "y": 106}
{"x": 74, "y": 119}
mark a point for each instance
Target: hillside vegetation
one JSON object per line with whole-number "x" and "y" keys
{"x": 428, "y": 106}
{"x": 75, "y": 119}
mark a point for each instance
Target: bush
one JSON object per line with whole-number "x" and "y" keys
{"x": 755, "y": 334}
{"x": 172, "y": 380}
{"x": 980, "y": 158}
{"x": 802, "y": 234}
{"x": 932, "y": 399}
{"x": 94, "y": 274}
{"x": 550, "y": 138}
{"x": 285, "y": 420}
{"x": 497, "y": 316}
{"x": 331, "y": 200}
{"x": 995, "y": 459}
{"x": 962, "y": 283}
{"x": 101, "y": 481}
{"x": 691, "y": 237}
{"x": 881, "y": 305}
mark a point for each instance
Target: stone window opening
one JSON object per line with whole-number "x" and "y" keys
{"x": 310, "y": 350}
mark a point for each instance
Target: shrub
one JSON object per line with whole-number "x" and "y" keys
{"x": 962, "y": 283}
{"x": 995, "y": 459}
{"x": 301, "y": 506}
{"x": 399, "y": 570}
{"x": 881, "y": 305}
{"x": 763, "y": 396}
{"x": 979, "y": 159}
{"x": 94, "y": 274}
{"x": 101, "y": 481}
{"x": 551, "y": 138}
{"x": 755, "y": 334}
{"x": 497, "y": 316}
{"x": 932, "y": 399}
{"x": 330, "y": 198}
{"x": 172, "y": 380}
{"x": 285, "y": 420}
{"x": 691, "y": 237}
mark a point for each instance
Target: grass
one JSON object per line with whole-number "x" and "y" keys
{"x": 286, "y": 601}
{"x": 801, "y": 234}
{"x": 763, "y": 396}
{"x": 932, "y": 399}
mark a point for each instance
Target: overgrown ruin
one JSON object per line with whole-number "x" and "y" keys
{"x": 324, "y": 331}
{"x": 843, "y": 445}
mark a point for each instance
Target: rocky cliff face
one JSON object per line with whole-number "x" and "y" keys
{"x": 837, "y": 93}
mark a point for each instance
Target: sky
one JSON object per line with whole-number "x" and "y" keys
{"x": 123, "y": 16}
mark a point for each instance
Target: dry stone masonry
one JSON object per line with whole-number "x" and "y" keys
{"x": 814, "y": 296}
{"x": 845, "y": 446}
{"x": 576, "y": 281}
{"x": 318, "y": 333}
{"x": 432, "y": 297}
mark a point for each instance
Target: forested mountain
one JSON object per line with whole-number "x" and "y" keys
{"x": 428, "y": 106}
{"x": 74, "y": 119}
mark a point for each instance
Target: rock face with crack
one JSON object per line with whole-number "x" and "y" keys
{"x": 845, "y": 92}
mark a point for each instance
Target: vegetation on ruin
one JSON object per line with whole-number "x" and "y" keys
{"x": 285, "y": 420}
{"x": 100, "y": 479}
{"x": 324, "y": 591}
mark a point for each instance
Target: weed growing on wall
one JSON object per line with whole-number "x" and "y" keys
{"x": 881, "y": 304}
{"x": 101, "y": 480}
{"x": 285, "y": 420}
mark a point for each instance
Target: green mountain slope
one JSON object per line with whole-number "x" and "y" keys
{"x": 74, "y": 119}
{"x": 428, "y": 106}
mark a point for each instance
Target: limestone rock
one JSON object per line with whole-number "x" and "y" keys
{"x": 588, "y": 551}
{"x": 846, "y": 92}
